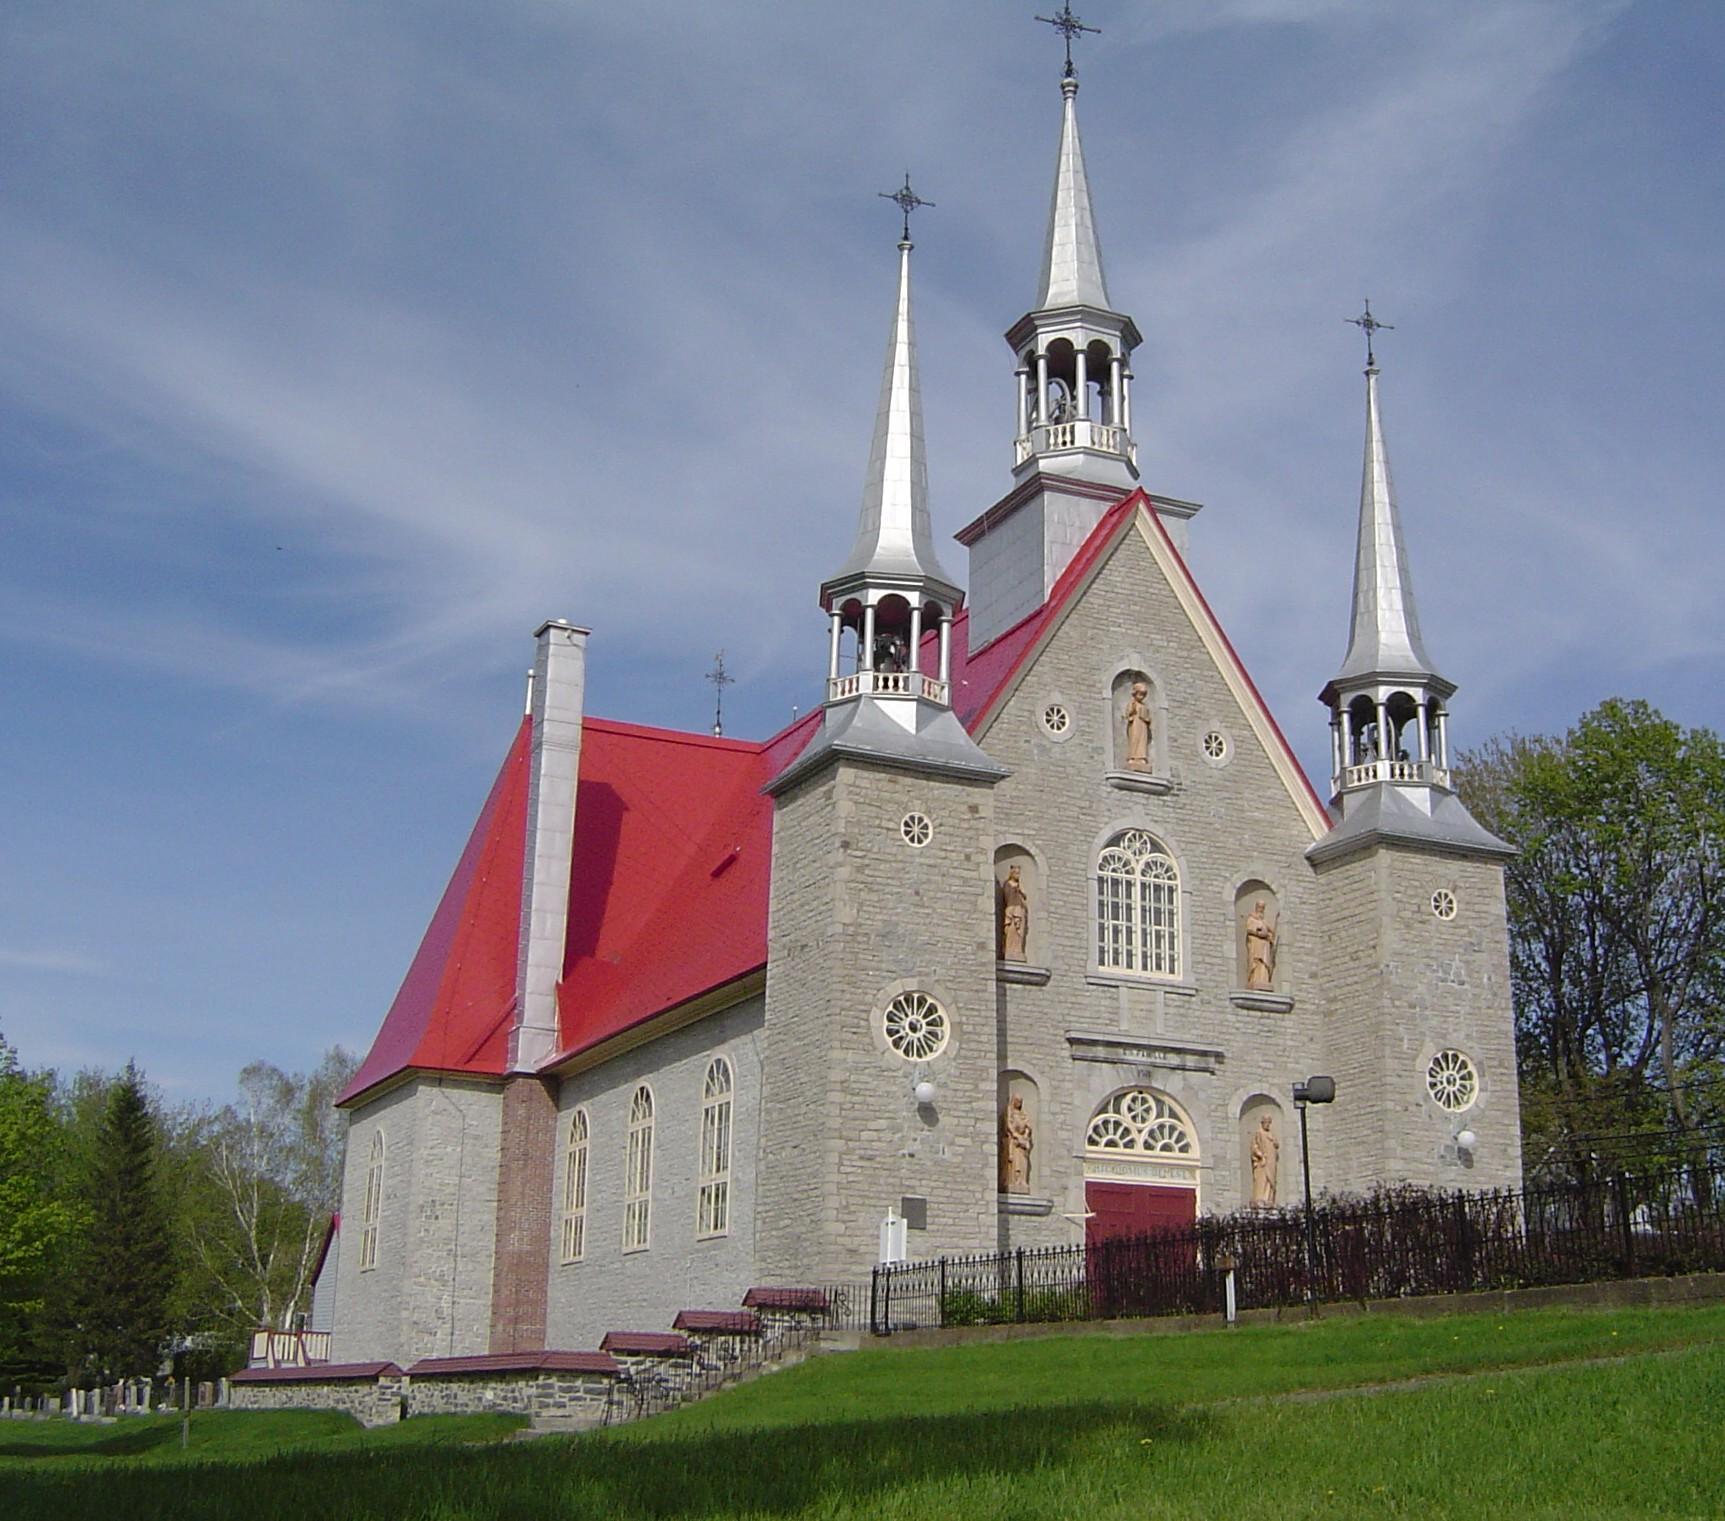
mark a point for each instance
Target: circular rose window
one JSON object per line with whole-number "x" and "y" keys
{"x": 1056, "y": 719}
{"x": 1452, "y": 1081}
{"x": 1443, "y": 903}
{"x": 916, "y": 829}
{"x": 916, "y": 1026}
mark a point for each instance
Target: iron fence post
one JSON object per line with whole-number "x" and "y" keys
{"x": 1020, "y": 1314}
{"x": 1625, "y": 1230}
{"x": 943, "y": 1291}
{"x": 874, "y": 1302}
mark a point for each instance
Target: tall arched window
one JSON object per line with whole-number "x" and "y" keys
{"x": 1137, "y": 907}
{"x": 714, "y": 1214}
{"x": 638, "y": 1172}
{"x": 575, "y": 1189}
{"x": 373, "y": 1208}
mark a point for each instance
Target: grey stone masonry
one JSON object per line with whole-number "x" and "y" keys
{"x": 858, "y": 916}
{"x": 612, "y": 1289}
{"x": 430, "y": 1291}
{"x": 373, "y": 1397}
{"x": 1408, "y": 984}
{"x": 1225, "y": 822}
{"x": 572, "y": 1387}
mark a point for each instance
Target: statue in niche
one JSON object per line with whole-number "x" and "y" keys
{"x": 1260, "y": 951}
{"x": 1266, "y": 1157}
{"x": 1017, "y": 1137}
{"x": 1137, "y": 717}
{"x": 1014, "y": 916}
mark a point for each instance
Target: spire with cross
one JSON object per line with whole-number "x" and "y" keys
{"x": 1069, "y": 27}
{"x": 907, "y": 200}
{"x": 1369, "y": 325}
{"x": 720, "y": 679}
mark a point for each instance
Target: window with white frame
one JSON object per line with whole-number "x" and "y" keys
{"x": 714, "y": 1213}
{"x": 638, "y": 1172}
{"x": 575, "y": 1189}
{"x": 373, "y": 1208}
{"x": 1137, "y": 907}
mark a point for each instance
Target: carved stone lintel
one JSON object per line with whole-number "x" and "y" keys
{"x": 1140, "y": 781}
{"x": 1023, "y": 1204}
{"x": 1268, "y": 1003}
{"x": 1130, "y": 1050}
{"x": 1021, "y": 971}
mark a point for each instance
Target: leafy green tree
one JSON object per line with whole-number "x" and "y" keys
{"x": 1617, "y": 930}
{"x": 35, "y": 1223}
{"x": 122, "y": 1278}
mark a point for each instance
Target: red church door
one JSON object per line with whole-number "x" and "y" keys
{"x": 1136, "y": 1209}
{"x": 1126, "y": 1273}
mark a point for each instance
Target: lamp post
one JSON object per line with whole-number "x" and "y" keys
{"x": 1315, "y": 1090}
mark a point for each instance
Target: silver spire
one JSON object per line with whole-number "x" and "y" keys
{"x": 894, "y": 535}
{"x": 1072, "y": 258}
{"x": 1385, "y": 637}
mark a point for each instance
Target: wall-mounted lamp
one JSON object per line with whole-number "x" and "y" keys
{"x": 926, "y": 1093}
{"x": 1466, "y": 1140}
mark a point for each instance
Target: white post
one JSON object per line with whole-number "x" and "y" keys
{"x": 1443, "y": 738}
{"x": 1081, "y": 375}
{"x": 1384, "y": 753}
{"x": 865, "y": 658}
{"x": 1425, "y": 737}
{"x": 946, "y": 649}
{"x": 838, "y": 622}
{"x": 915, "y": 663}
{"x": 1041, "y": 412}
{"x": 1228, "y": 1288}
{"x": 1126, "y": 400}
{"x": 1114, "y": 368}
{"x": 1336, "y": 750}
{"x": 1022, "y": 375}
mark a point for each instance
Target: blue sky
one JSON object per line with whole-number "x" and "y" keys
{"x": 344, "y": 344}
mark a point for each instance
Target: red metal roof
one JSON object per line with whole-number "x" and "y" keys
{"x": 647, "y": 1344}
{"x": 313, "y": 1373}
{"x": 669, "y": 877}
{"x": 724, "y": 1322}
{"x": 766, "y": 1298}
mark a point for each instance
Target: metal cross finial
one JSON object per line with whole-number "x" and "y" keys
{"x": 1368, "y": 324}
{"x": 907, "y": 201}
{"x": 1069, "y": 26}
{"x": 720, "y": 681}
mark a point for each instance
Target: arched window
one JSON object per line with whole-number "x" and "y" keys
{"x": 1137, "y": 907}
{"x": 714, "y": 1213}
{"x": 1141, "y": 1121}
{"x": 638, "y": 1172}
{"x": 575, "y": 1189}
{"x": 373, "y": 1209}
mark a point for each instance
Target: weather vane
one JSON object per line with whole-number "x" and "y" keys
{"x": 1069, "y": 26}
{"x": 907, "y": 200}
{"x": 1368, "y": 324}
{"x": 720, "y": 681}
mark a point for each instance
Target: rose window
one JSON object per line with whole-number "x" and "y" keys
{"x": 1452, "y": 1081}
{"x": 916, "y": 1027}
{"x": 1142, "y": 1121}
{"x": 1056, "y": 719}
{"x": 917, "y": 830}
{"x": 1443, "y": 903}
{"x": 1215, "y": 745}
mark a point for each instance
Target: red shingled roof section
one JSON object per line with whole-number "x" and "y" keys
{"x": 313, "y": 1373}
{"x": 803, "y": 1300}
{"x": 647, "y": 1344}
{"x": 453, "y": 1009}
{"x": 668, "y": 884}
{"x": 718, "y": 1322}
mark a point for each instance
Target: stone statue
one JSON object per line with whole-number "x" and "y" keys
{"x": 1266, "y": 1155}
{"x": 1014, "y": 916}
{"x": 1260, "y": 951}
{"x": 1017, "y": 1137}
{"x": 1138, "y": 728}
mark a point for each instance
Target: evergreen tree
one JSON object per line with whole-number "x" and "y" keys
{"x": 124, "y": 1276}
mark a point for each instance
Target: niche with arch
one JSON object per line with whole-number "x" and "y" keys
{"x": 1266, "y": 1160}
{"x": 1257, "y": 938}
{"x": 1020, "y": 909}
{"x": 1137, "y": 759}
{"x": 1019, "y": 1133}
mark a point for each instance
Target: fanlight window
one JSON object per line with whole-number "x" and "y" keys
{"x": 638, "y": 1173}
{"x": 1137, "y": 907}
{"x": 714, "y": 1212}
{"x": 1144, "y": 1123}
{"x": 373, "y": 1204}
{"x": 575, "y": 1189}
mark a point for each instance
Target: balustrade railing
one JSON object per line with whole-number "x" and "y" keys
{"x": 1078, "y": 432}
{"x": 1394, "y": 771}
{"x": 886, "y": 684}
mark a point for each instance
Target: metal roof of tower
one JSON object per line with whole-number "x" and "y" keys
{"x": 1072, "y": 257}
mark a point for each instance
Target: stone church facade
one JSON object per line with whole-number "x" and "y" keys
{"x": 1021, "y": 938}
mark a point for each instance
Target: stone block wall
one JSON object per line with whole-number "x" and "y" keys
{"x": 565, "y": 1396}
{"x": 372, "y": 1401}
{"x": 859, "y": 916}
{"x": 614, "y": 1290}
{"x": 1224, "y": 824}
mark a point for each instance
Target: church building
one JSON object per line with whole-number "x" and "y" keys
{"x": 1020, "y": 938}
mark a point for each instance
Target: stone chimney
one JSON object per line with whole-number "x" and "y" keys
{"x": 559, "y": 683}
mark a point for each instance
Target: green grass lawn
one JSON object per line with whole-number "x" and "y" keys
{"x": 1225, "y": 1424}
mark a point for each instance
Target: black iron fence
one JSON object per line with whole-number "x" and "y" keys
{"x": 1390, "y": 1244}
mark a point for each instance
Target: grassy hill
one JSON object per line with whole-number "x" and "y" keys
{"x": 1549, "y": 1413}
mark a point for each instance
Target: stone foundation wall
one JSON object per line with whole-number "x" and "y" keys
{"x": 556, "y": 1395}
{"x": 372, "y": 1402}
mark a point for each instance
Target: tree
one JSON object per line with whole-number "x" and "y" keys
{"x": 273, "y": 1164}
{"x": 34, "y": 1222}
{"x": 1617, "y": 929}
{"x": 123, "y": 1277}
